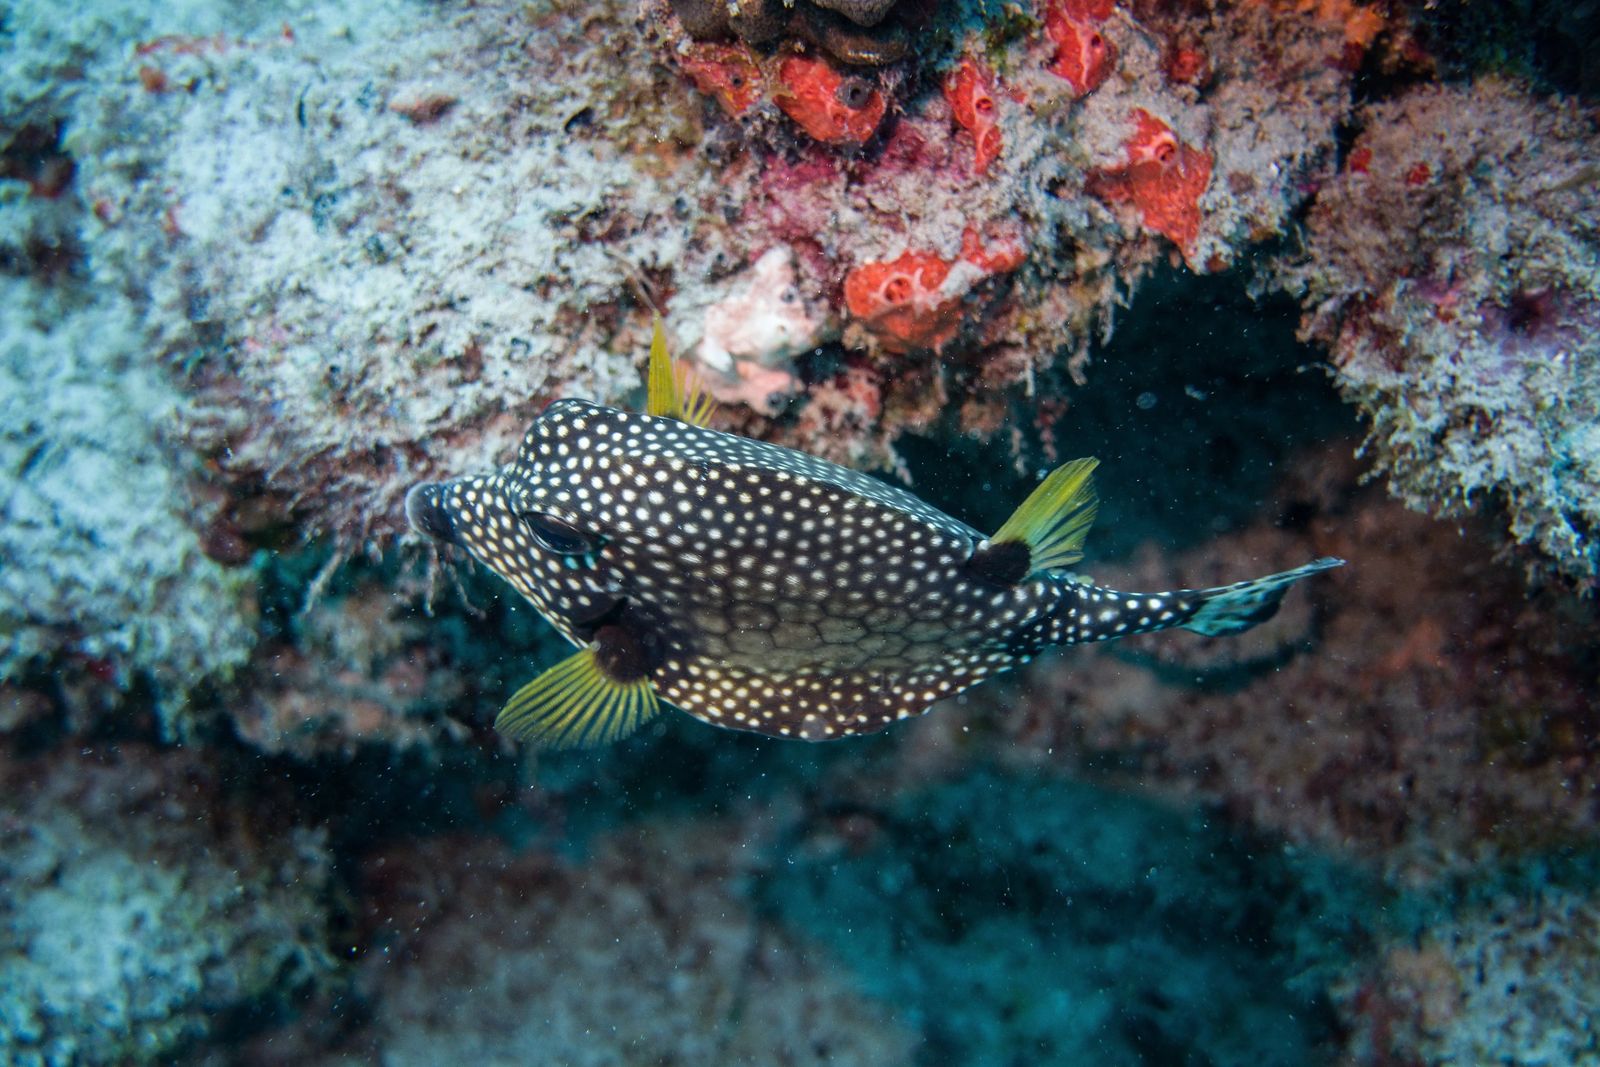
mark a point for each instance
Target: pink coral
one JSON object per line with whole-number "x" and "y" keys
{"x": 751, "y": 333}
{"x": 902, "y": 303}
{"x": 1186, "y": 64}
{"x": 1084, "y": 56}
{"x": 728, "y": 73}
{"x": 1163, "y": 178}
{"x": 915, "y": 302}
{"x": 1088, "y": 10}
{"x": 1002, "y": 256}
{"x": 970, "y": 91}
{"x": 826, "y": 104}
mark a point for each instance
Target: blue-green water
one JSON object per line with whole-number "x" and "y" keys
{"x": 266, "y": 266}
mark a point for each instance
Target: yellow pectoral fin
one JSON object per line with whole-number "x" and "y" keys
{"x": 576, "y": 705}
{"x": 1054, "y": 521}
{"x": 685, "y": 401}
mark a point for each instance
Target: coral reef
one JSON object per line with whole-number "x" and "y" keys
{"x": 751, "y": 331}
{"x": 916, "y": 301}
{"x": 1472, "y": 346}
{"x": 963, "y": 917}
{"x": 264, "y": 266}
{"x": 1245, "y": 121}
{"x": 355, "y": 668}
{"x": 102, "y": 564}
{"x": 1422, "y": 674}
{"x": 868, "y": 33}
{"x": 1509, "y": 979}
{"x": 141, "y": 910}
{"x": 831, "y": 106}
{"x": 379, "y": 658}
{"x": 1163, "y": 178}
{"x": 1084, "y": 57}
{"x": 326, "y": 398}
{"x": 969, "y": 90}
{"x": 647, "y": 951}
{"x": 731, "y": 74}
{"x": 474, "y": 223}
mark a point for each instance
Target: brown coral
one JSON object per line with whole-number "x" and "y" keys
{"x": 858, "y": 32}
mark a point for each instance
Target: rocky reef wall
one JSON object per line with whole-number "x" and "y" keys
{"x": 267, "y": 265}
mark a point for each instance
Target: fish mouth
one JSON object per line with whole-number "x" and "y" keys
{"x": 426, "y": 512}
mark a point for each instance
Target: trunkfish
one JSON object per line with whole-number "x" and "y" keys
{"x": 759, "y": 588}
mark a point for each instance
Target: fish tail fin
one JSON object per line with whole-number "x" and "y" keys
{"x": 674, "y": 392}
{"x": 1231, "y": 609}
{"x": 1092, "y": 613}
{"x": 576, "y": 704}
{"x": 1054, "y": 521}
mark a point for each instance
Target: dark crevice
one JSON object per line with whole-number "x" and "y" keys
{"x": 34, "y": 154}
{"x": 1554, "y": 46}
{"x": 1192, "y": 408}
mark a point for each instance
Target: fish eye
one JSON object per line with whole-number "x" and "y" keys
{"x": 558, "y": 536}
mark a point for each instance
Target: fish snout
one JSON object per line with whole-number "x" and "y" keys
{"x": 425, "y": 510}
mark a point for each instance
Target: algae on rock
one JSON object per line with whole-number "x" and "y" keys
{"x": 134, "y": 920}
{"x": 1453, "y": 268}
{"x": 101, "y": 559}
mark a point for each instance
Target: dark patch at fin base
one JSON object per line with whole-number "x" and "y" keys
{"x": 622, "y": 655}
{"x": 578, "y": 704}
{"x": 1054, "y": 521}
{"x": 1003, "y": 563}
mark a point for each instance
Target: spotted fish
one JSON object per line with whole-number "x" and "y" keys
{"x": 759, "y": 588}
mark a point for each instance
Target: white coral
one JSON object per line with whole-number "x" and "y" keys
{"x": 753, "y": 330}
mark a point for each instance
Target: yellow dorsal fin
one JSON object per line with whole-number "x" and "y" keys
{"x": 1055, "y": 519}
{"x": 575, "y": 704}
{"x": 660, "y": 381}
{"x": 683, "y": 400}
